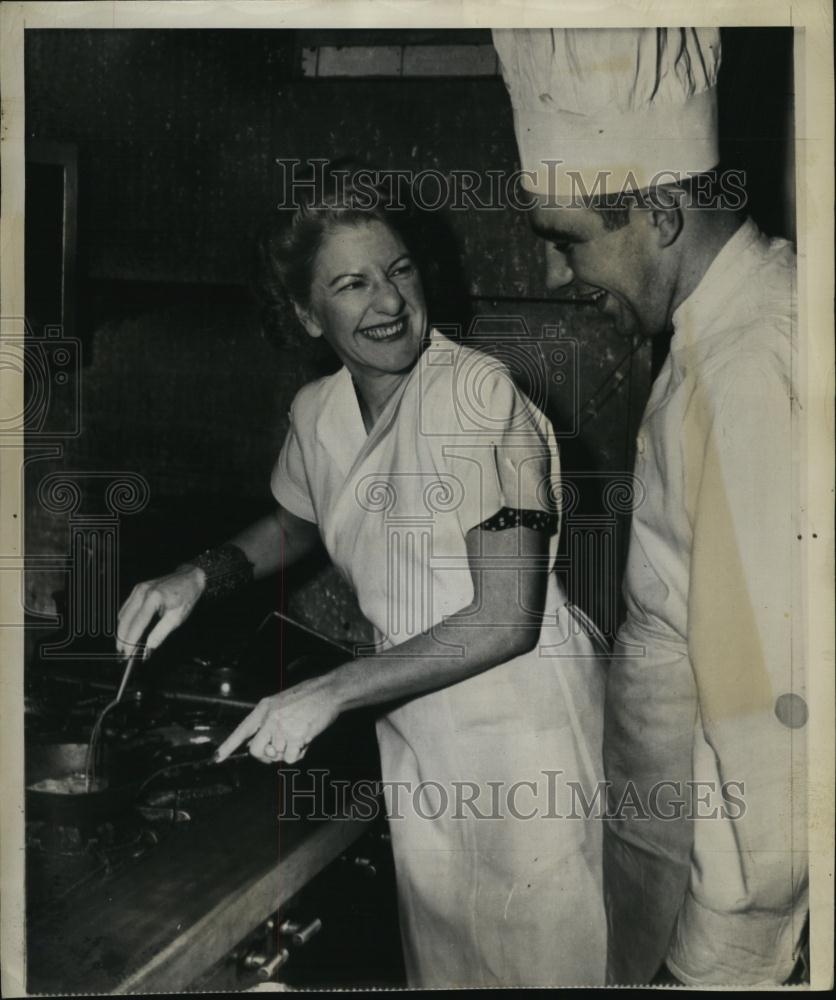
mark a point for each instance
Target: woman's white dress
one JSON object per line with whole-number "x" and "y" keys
{"x": 498, "y": 861}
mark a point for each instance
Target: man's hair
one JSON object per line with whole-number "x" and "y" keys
{"x": 705, "y": 190}
{"x": 613, "y": 217}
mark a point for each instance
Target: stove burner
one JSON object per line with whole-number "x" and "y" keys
{"x": 103, "y": 842}
{"x": 60, "y": 860}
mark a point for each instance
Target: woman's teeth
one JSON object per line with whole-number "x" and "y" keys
{"x": 384, "y": 332}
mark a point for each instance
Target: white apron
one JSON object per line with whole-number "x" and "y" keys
{"x": 487, "y": 896}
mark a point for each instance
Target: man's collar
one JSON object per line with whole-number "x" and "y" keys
{"x": 720, "y": 282}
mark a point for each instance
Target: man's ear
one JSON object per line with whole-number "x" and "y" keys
{"x": 307, "y": 320}
{"x": 668, "y": 224}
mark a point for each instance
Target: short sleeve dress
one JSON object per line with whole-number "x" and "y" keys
{"x": 493, "y": 785}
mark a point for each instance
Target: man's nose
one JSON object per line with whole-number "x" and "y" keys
{"x": 558, "y": 272}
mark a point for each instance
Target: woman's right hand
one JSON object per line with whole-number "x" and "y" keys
{"x": 271, "y": 543}
{"x": 172, "y": 598}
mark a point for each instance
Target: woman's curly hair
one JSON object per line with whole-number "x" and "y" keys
{"x": 287, "y": 248}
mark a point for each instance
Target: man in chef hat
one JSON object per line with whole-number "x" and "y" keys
{"x": 705, "y": 864}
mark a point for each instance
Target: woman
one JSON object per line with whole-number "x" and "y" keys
{"x": 430, "y": 479}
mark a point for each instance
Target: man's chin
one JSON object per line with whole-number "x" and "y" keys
{"x": 623, "y": 319}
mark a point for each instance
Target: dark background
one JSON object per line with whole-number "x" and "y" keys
{"x": 176, "y": 133}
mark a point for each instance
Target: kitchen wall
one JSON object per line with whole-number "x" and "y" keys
{"x": 177, "y": 134}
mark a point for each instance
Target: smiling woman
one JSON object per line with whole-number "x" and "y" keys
{"x": 364, "y": 296}
{"x": 432, "y": 481}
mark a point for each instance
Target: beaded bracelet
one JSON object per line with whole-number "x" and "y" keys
{"x": 510, "y": 517}
{"x": 227, "y": 569}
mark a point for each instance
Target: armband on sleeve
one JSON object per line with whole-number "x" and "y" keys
{"x": 509, "y": 517}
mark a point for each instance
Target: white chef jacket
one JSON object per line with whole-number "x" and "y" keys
{"x": 706, "y": 684}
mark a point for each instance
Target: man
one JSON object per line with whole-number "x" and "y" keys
{"x": 705, "y": 862}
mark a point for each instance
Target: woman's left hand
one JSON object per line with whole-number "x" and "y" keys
{"x": 283, "y": 725}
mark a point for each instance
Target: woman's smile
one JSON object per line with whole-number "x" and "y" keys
{"x": 387, "y": 332}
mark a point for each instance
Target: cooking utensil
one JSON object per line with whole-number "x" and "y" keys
{"x": 202, "y": 762}
{"x": 62, "y": 761}
{"x": 340, "y": 646}
{"x": 90, "y": 759}
{"x": 126, "y": 676}
{"x": 122, "y": 784}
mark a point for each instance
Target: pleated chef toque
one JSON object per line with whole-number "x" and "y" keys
{"x": 623, "y": 108}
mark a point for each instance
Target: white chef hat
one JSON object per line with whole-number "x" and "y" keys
{"x": 620, "y": 108}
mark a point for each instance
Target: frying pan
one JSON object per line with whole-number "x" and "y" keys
{"x": 84, "y": 809}
{"x": 122, "y": 781}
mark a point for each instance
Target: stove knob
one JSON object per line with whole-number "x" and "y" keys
{"x": 298, "y": 934}
{"x": 269, "y": 969}
{"x": 254, "y": 960}
{"x": 366, "y": 866}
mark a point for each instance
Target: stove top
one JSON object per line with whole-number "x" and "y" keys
{"x": 235, "y": 675}
{"x": 159, "y": 742}
{"x": 123, "y": 884}
{"x": 160, "y": 759}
